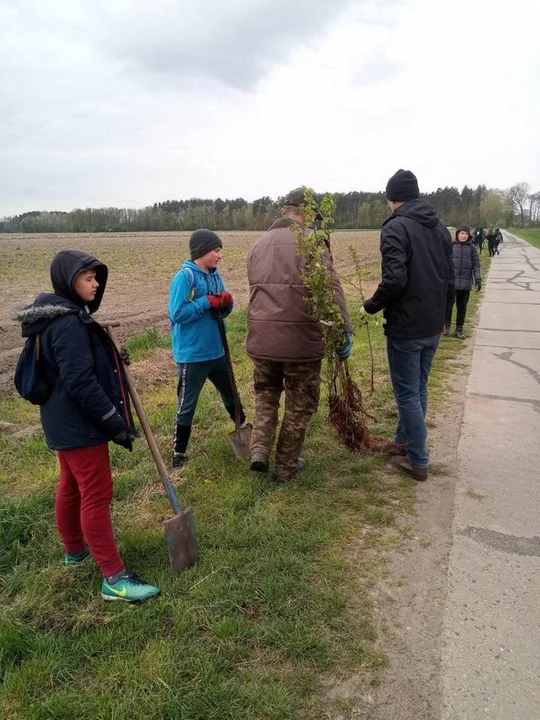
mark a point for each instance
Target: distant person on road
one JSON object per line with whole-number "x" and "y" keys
{"x": 498, "y": 240}
{"x": 491, "y": 238}
{"x": 197, "y": 300}
{"x": 479, "y": 239}
{"x": 416, "y": 250}
{"x": 285, "y": 342}
{"x": 466, "y": 271}
{"x": 87, "y": 408}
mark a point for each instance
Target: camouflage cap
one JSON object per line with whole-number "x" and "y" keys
{"x": 297, "y": 198}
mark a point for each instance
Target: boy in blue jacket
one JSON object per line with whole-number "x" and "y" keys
{"x": 197, "y": 300}
{"x": 87, "y": 408}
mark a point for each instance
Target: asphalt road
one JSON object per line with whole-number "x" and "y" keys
{"x": 491, "y": 625}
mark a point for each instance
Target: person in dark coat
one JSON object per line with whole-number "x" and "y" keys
{"x": 416, "y": 271}
{"x": 491, "y": 238}
{"x": 467, "y": 269}
{"x": 479, "y": 239}
{"x": 88, "y": 407}
{"x": 498, "y": 240}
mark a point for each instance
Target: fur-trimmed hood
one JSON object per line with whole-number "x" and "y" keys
{"x": 35, "y": 316}
{"x": 65, "y": 267}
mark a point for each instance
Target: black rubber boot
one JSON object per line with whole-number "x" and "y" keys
{"x": 182, "y": 434}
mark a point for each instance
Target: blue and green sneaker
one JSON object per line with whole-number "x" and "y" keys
{"x": 128, "y": 587}
{"x": 77, "y": 558}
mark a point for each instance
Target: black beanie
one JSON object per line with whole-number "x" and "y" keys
{"x": 202, "y": 241}
{"x": 466, "y": 228}
{"x": 402, "y": 186}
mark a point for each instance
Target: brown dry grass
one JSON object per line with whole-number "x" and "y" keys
{"x": 141, "y": 266}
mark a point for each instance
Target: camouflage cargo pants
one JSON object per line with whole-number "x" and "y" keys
{"x": 302, "y": 383}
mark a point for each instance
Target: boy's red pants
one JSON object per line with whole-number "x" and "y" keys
{"x": 84, "y": 495}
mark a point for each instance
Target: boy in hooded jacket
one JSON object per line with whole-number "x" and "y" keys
{"x": 467, "y": 268}
{"x": 88, "y": 407}
{"x": 198, "y": 302}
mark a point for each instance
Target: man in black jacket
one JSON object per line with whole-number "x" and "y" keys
{"x": 416, "y": 272}
{"x": 88, "y": 407}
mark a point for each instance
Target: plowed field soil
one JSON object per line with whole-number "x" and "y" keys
{"x": 141, "y": 266}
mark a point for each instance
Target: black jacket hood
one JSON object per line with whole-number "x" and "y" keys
{"x": 419, "y": 210}
{"x": 65, "y": 267}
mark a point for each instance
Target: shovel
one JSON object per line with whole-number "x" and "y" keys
{"x": 240, "y": 437}
{"x": 180, "y": 529}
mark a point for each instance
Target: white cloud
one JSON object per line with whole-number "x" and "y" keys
{"x": 138, "y": 103}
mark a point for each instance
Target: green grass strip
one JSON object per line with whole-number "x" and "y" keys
{"x": 532, "y": 235}
{"x": 281, "y": 595}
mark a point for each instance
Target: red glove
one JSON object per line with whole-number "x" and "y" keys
{"x": 215, "y": 301}
{"x": 226, "y": 299}
{"x": 220, "y": 301}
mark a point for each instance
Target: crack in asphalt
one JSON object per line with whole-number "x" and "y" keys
{"x": 508, "y": 357}
{"x": 507, "y": 347}
{"x": 507, "y": 330}
{"x": 510, "y": 544}
{"x": 504, "y": 302}
{"x": 530, "y": 262}
{"x": 535, "y": 404}
{"x": 525, "y": 285}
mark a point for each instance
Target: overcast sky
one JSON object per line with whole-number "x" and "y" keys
{"x": 127, "y": 102}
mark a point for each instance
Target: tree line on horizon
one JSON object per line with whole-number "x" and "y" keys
{"x": 354, "y": 210}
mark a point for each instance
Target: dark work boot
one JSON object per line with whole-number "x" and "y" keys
{"x": 459, "y": 332}
{"x": 285, "y": 478}
{"x": 182, "y": 434}
{"x": 418, "y": 472}
{"x": 179, "y": 460}
{"x": 259, "y": 462}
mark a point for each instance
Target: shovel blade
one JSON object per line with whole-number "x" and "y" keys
{"x": 240, "y": 439}
{"x": 181, "y": 540}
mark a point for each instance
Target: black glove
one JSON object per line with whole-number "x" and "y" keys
{"x": 124, "y": 355}
{"x": 478, "y": 286}
{"x": 124, "y": 439}
{"x": 218, "y": 314}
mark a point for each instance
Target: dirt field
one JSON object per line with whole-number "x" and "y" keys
{"x": 140, "y": 269}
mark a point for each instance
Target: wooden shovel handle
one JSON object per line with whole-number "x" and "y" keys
{"x": 161, "y": 467}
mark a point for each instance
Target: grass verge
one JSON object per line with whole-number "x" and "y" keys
{"x": 532, "y": 235}
{"x": 281, "y": 595}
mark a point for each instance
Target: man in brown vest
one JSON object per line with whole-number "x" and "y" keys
{"x": 285, "y": 342}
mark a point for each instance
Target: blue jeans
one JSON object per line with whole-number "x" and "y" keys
{"x": 410, "y": 362}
